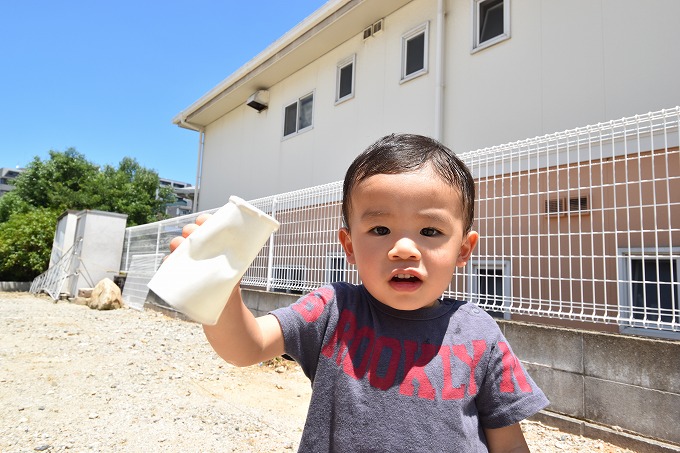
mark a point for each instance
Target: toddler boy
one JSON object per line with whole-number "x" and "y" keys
{"x": 394, "y": 366}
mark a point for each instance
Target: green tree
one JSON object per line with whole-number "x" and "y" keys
{"x": 26, "y": 244}
{"x": 12, "y": 203}
{"x": 133, "y": 190}
{"x": 58, "y": 183}
{"x": 67, "y": 180}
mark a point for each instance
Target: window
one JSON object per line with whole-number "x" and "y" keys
{"x": 491, "y": 287}
{"x": 288, "y": 279}
{"x": 335, "y": 268}
{"x": 491, "y": 22}
{"x": 414, "y": 53}
{"x": 650, "y": 290}
{"x": 345, "y": 80}
{"x": 298, "y": 115}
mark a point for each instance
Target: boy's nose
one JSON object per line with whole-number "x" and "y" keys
{"x": 404, "y": 249}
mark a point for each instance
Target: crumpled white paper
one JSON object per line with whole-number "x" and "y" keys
{"x": 198, "y": 277}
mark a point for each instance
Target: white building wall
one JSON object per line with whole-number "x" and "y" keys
{"x": 246, "y": 154}
{"x": 642, "y": 56}
{"x": 567, "y": 64}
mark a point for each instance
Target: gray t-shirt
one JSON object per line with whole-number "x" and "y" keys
{"x": 390, "y": 380}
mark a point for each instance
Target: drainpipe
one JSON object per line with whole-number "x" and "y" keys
{"x": 199, "y": 164}
{"x": 199, "y": 169}
{"x": 439, "y": 72}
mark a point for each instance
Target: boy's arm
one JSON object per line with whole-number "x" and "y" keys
{"x": 239, "y": 337}
{"x": 509, "y": 439}
{"x": 242, "y": 339}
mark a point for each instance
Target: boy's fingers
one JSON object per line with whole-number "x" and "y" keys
{"x": 175, "y": 242}
{"x": 202, "y": 218}
{"x": 188, "y": 229}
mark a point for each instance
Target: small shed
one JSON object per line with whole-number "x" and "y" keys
{"x": 93, "y": 242}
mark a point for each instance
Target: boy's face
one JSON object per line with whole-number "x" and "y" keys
{"x": 406, "y": 237}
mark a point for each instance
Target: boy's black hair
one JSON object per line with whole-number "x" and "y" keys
{"x": 403, "y": 153}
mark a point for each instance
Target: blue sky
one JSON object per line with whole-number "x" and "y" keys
{"x": 106, "y": 78}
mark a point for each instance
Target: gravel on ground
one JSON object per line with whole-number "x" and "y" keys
{"x": 81, "y": 380}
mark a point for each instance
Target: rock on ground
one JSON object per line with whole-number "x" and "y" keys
{"x": 75, "y": 379}
{"x": 106, "y": 295}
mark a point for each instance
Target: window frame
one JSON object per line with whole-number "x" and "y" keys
{"x": 423, "y": 29}
{"x": 330, "y": 269}
{"x": 342, "y": 64}
{"x": 297, "y": 103}
{"x": 506, "y": 275}
{"x": 627, "y": 323}
{"x": 282, "y": 284}
{"x": 477, "y": 26}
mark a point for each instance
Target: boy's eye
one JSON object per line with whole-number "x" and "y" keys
{"x": 429, "y": 232}
{"x": 381, "y": 230}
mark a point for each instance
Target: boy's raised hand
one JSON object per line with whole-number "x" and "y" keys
{"x": 238, "y": 337}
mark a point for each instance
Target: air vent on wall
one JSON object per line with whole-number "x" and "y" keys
{"x": 374, "y": 29}
{"x": 259, "y": 100}
{"x": 554, "y": 206}
{"x": 562, "y": 206}
{"x": 578, "y": 204}
{"x": 378, "y": 27}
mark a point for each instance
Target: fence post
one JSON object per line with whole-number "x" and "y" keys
{"x": 270, "y": 259}
{"x": 158, "y": 241}
{"x": 127, "y": 250}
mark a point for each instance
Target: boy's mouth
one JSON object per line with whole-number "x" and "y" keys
{"x": 405, "y": 278}
{"x": 405, "y": 282}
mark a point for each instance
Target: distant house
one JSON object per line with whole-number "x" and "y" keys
{"x": 184, "y": 194}
{"x": 472, "y": 73}
{"x": 7, "y": 175}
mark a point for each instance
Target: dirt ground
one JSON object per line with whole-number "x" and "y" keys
{"x": 76, "y": 379}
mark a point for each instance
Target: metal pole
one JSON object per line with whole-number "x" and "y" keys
{"x": 270, "y": 259}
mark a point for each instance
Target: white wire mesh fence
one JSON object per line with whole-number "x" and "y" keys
{"x": 583, "y": 225}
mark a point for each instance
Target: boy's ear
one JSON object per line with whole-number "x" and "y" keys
{"x": 466, "y": 248}
{"x": 346, "y": 242}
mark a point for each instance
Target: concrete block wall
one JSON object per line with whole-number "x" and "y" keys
{"x": 262, "y": 302}
{"x": 15, "y": 286}
{"x": 628, "y": 382}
